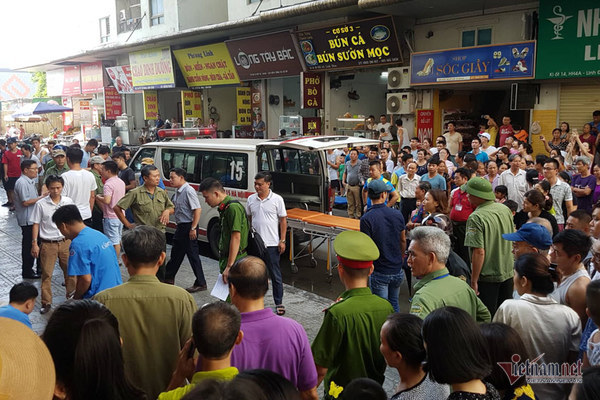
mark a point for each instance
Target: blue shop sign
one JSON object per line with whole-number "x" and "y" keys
{"x": 481, "y": 63}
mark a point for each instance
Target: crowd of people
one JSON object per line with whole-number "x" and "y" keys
{"x": 504, "y": 247}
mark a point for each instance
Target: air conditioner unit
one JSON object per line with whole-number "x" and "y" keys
{"x": 398, "y": 78}
{"x": 122, "y": 16}
{"x": 400, "y": 103}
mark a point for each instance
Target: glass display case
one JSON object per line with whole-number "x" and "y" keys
{"x": 291, "y": 123}
{"x": 353, "y": 127}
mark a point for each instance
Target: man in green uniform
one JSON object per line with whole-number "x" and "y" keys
{"x": 427, "y": 255}
{"x": 149, "y": 204}
{"x": 59, "y": 166}
{"x": 234, "y": 224}
{"x": 491, "y": 257}
{"x": 347, "y": 345}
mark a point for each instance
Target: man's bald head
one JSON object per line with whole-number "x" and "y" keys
{"x": 249, "y": 278}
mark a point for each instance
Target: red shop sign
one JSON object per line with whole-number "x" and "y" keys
{"x": 311, "y": 90}
{"x": 92, "y": 77}
{"x": 424, "y": 124}
{"x": 113, "y": 106}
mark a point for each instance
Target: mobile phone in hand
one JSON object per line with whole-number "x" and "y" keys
{"x": 192, "y": 350}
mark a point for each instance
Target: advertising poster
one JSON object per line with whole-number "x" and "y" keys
{"x": 92, "y": 77}
{"x": 121, "y": 79}
{"x": 480, "y": 63}
{"x": 244, "y": 106}
{"x": 150, "y": 104}
{"x": 311, "y": 84}
{"x": 367, "y": 43}
{"x": 425, "y": 124}
{"x": 63, "y": 81}
{"x": 191, "y": 102}
{"x": 152, "y": 69}
{"x": 265, "y": 56}
{"x": 207, "y": 66}
{"x": 113, "y": 106}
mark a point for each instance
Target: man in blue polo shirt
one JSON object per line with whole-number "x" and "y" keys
{"x": 436, "y": 180}
{"x": 21, "y": 301}
{"x": 92, "y": 257}
{"x": 386, "y": 227}
{"x": 375, "y": 173}
{"x": 479, "y": 154}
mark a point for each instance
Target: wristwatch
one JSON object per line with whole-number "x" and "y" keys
{"x": 282, "y": 241}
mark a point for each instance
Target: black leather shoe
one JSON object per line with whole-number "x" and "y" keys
{"x": 32, "y": 276}
{"x": 195, "y": 289}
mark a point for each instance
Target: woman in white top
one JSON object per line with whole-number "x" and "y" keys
{"x": 550, "y": 331}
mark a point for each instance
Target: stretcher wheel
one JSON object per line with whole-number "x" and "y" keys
{"x": 313, "y": 262}
{"x": 294, "y": 269}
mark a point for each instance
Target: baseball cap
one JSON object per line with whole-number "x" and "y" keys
{"x": 11, "y": 139}
{"x": 96, "y": 160}
{"x": 485, "y": 135}
{"x": 58, "y": 152}
{"x": 378, "y": 186}
{"x": 481, "y": 188}
{"x": 534, "y": 234}
{"x": 147, "y": 161}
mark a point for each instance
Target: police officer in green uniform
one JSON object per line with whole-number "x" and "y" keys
{"x": 427, "y": 255}
{"x": 234, "y": 224}
{"x": 347, "y": 345}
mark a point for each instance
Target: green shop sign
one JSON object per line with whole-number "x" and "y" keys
{"x": 569, "y": 39}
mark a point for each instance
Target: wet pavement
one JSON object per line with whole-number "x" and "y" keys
{"x": 306, "y": 293}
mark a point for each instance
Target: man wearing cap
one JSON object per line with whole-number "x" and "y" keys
{"x": 515, "y": 180}
{"x": 95, "y": 164}
{"x": 11, "y": 160}
{"x": 485, "y": 144}
{"x": 375, "y": 173}
{"x": 491, "y": 258}
{"x": 531, "y": 238}
{"x": 347, "y": 345}
{"x": 386, "y": 227}
{"x": 427, "y": 255}
{"x": 59, "y": 167}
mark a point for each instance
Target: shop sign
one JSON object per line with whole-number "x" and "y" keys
{"x": 480, "y": 63}
{"x": 244, "y": 106}
{"x": 265, "y": 56}
{"x": 85, "y": 111}
{"x": 256, "y": 96}
{"x": 424, "y": 125}
{"x": 113, "y": 106}
{"x": 367, "y": 43}
{"x": 191, "y": 102}
{"x": 150, "y": 104}
{"x": 152, "y": 69}
{"x": 64, "y": 81}
{"x": 311, "y": 125}
{"x": 311, "y": 90}
{"x": 92, "y": 77}
{"x": 206, "y": 65}
{"x": 121, "y": 78}
{"x": 568, "y": 39}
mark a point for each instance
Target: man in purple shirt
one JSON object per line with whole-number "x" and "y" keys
{"x": 270, "y": 342}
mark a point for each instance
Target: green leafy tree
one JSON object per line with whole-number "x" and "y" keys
{"x": 40, "y": 79}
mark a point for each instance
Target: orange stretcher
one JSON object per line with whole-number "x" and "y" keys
{"x": 323, "y": 227}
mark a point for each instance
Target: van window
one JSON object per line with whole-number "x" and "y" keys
{"x": 136, "y": 164}
{"x": 231, "y": 169}
{"x": 189, "y": 160}
{"x": 299, "y": 162}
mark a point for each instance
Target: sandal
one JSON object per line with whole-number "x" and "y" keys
{"x": 280, "y": 310}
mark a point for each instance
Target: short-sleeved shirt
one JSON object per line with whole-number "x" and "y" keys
{"x": 484, "y": 229}
{"x": 55, "y": 170}
{"x": 516, "y": 185}
{"x": 78, "y": 186}
{"x": 353, "y": 173}
{"x": 265, "y": 216}
{"x": 584, "y": 202}
{"x": 145, "y": 206}
{"x": 332, "y": 158}
{"x": 460, "y": 206}
{"x": 505, "y": 131}
{"x": 186, "y": 201}
{"x": 437, "y": 182}
{"x": 127, "y": 175}
{"x": 277, "y": 344}
{"x": 42, "y": 214}
{"x": 92, "y": 253}
{"x": 155, "y": 321}
{"x": 385, "y": 225}
{"x": 115, "y": 188}
{"x": 11, "y": 312}
{"x": 453, "y": 142}
{"x": 440, "y": 289}
{"x": 225, "y": 374}
{"x": 388, "y": 184}
{"x": 25, "y": 189}
{"x": 426, "y": 389}
{"x": 13, "y": 160}
{"x": 232, "y": 218}
{"x": 560, "y": 191}
{"x": 348, "y": 341}
{"x": 481, "y": 156}
{"x": 407, "y": 186}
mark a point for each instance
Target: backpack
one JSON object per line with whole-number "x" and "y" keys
{"x": 256, "y": 245}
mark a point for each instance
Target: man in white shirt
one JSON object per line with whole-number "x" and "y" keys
{"x": 385, "y": 125}
{"x": 80, "y": 185}
{"x": 453, "y": 139}
{"x": 514, "y": 180}
{"x": 266, "y": 211}
{"x": 333, "y": 166}
{"x": 485, "y": 144}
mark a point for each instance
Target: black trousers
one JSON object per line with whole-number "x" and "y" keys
{"x": 97, "y": 217}
{"x": 26, "y": 257}
{"x": 182, "y": 246}
{"x": 492, "y": 294}
{"x": 407, "y": 205}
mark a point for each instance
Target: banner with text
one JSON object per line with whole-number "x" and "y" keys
{"x": 424, "y": 124}
{"x": 92, "y": 78}
{"x": 191, "y": 102}
{"x": 480, "y": 63}
{"x": 244, "y": 106}
{"x": 121, "y": 78}
{"x": 207, "y": 66}
{"x": 150, "y": 104}
{"x": 265, "y": 56}
{"x": 311, "y": 84}
{"x": 367, "y": 43}
{"x": 64, "y": 81}
{"x": 152, "y": 69}
{"x": 311, "y": 126}
{"x": 568, "y": 43}
{"x": 113, "y": 106}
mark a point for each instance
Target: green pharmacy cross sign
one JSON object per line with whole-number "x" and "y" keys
{"x": 568, "y": 39}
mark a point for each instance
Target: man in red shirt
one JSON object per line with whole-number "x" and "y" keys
{"x": 505, "y": 130}
{"x": 11, "y": 161}
{"x": 459, "y": 213}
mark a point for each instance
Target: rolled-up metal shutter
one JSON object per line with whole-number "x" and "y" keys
{"x": 578, "y": 102}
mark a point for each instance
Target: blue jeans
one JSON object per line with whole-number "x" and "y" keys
{"x": 275, "y": 273}
{"x": 387, "y": 286}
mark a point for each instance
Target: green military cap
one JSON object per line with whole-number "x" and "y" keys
{"x": 480, "y": 187}
{"x": 355, "y": 249}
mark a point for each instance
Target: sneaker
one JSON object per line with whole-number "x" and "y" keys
{"x": 7, "y": 204}
{"x": 32, "y": 275}
{"x": 196, "y": 288}
{"x": 45, "y": 308}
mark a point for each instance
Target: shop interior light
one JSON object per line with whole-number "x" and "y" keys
{"x": 384, "y": 74}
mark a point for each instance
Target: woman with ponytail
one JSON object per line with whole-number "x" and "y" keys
{"x": 550, "y": 331}
{"x": 536, "y": 204}
{"x": 83, "y": 339}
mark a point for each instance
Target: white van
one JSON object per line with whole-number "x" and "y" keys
{"x": 296, "y": 164}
